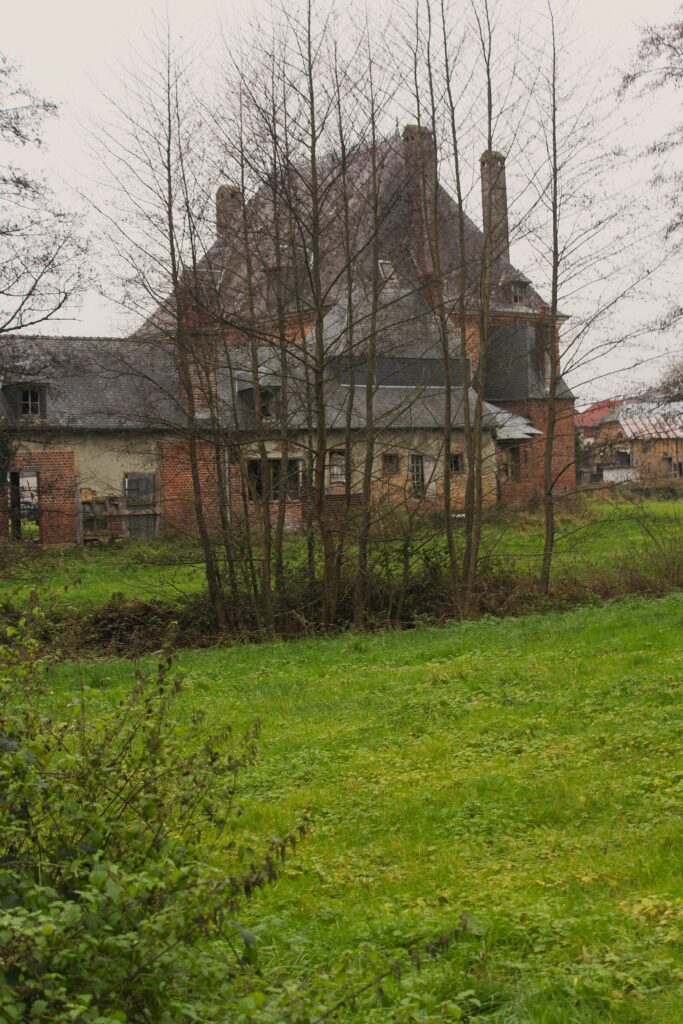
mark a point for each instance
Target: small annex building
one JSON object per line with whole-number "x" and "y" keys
{"x": 636, "y": 440}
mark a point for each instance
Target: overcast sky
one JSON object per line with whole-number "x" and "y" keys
{"x": 70, "y": 51}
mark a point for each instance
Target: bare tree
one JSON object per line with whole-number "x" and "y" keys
{"x": 42, "y": 263}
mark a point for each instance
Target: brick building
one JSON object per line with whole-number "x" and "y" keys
{"x": 96, "y": 429}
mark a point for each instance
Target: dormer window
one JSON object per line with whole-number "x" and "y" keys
{"x": 267, "y": 405}
{"x": 518, "y": 293}
{"x": 29, "y": 401}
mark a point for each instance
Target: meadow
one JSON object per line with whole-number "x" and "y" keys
{"x": 524, "y": 771}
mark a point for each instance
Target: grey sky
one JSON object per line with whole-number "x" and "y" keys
{"x": 70, "y": 51}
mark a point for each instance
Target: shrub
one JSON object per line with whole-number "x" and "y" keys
{"x": 114, "y": 905}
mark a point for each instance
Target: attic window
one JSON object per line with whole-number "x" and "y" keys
{"x": 518, "y": 293}
{"x": 32, "y": 401}
{"x": 386, "y": 270}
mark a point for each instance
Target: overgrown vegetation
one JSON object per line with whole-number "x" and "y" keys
{"x": 137, "y": 598}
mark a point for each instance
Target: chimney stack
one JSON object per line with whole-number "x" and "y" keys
{"x": 419, "y": 152}
{"x": 494, "y": 189}
{"x": 228, "y": 208}
{"x": 419, "y": 149}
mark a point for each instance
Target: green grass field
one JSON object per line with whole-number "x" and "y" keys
{"x": 527, "y": 771}
{"x": 597, "y": 534}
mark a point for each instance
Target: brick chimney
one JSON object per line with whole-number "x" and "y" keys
{"x": 493, "y": 185}
{"x": 419, "y": 151}
{"x": 228, "y": 207}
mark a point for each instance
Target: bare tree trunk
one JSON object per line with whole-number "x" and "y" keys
{"x": 552, "y": 353}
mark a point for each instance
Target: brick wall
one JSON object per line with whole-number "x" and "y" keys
{"x": 529, "y": 489}
{"x": 176, "y": 489}
{"x": 57, "y": 471}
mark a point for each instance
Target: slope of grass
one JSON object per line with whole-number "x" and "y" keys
{"x": 527, "y": 771}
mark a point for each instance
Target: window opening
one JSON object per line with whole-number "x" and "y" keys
{"x": 417, "y": 475}
{"x": 386, "y": 270}
{"x": 391, "y": 463}
{"x": 287, "y": 483}
{"x": 511, "y": 461}
{"x": 518, "y": 294}
{"x": 337, "y": 466}
{"x": 457, "y": 462}
{"x": 139, "y": 488}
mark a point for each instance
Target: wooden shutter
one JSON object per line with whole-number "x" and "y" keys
{"x": 140, "y": 488}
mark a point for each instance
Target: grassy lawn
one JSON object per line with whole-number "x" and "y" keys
{"x": 86, "y": 577}
{"x": 597, "y": 534}
{"x": 527, "y": 771}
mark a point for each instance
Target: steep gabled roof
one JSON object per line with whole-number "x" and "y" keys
{"x": 236, "y": 291}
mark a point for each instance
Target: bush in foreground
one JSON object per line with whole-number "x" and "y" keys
{"x": 113, "y": 903}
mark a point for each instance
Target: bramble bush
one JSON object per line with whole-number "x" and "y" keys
{"x": 119, "y": 882}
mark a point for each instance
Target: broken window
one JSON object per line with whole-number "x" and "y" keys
{"x": 284, "y": 480}
{"x": 391, "y": 463}
{"x": 518, "y": 293}
{"x": 422, "y": 475}
{"x": 287, "y": 483}
{"x": 511, "y": 463}
{"x": 23, "y": 509}
{"x": 338, "y": 466}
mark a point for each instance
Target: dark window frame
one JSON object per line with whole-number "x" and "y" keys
{"x": 256, "y": 479}
{"x": 457, "y": 463}
{"x": 32, "y": 401}
{"x": 391, "y": 463}
{"x": 145, "y": 486}
{"x": 519, "y": 293}
{"x": 512, "y": 464}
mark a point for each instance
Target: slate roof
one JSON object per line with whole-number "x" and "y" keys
{"x": 93, "y": 383}
{"x": 220, "y": 287}
{"x": 408, "y": 384}
{"x": 513, "y": 366}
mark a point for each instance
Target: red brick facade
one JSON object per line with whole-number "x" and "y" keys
{"x": 529, "y": 489}
{"x": 58, "y": 512}
{"x": 177, "y": 492}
